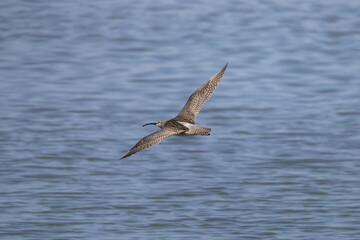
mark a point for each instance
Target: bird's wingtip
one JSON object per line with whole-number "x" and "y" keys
{"x": 224, "y": 68}
{"x": 124, "y": 156}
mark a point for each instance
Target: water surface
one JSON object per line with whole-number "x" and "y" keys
{"x": 79, "y": 78}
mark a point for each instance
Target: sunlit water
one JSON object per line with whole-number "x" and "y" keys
{"x": 79, "y": 78}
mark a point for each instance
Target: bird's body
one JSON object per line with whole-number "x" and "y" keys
{"x": 184, "y": 122}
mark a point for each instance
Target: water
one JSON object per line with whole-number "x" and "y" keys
{"x": 79, "y": 78}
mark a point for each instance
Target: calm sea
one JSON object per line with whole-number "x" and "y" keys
{"x": 79, "y": 78}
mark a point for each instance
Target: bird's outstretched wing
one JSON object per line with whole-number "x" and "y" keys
{"x": 198, "y": 98}
{"x": 152, "y": 139}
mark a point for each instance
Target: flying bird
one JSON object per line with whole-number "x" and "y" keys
{"x": 184, "y": 122}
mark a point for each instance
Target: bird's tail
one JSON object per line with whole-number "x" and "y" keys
{"x": 203, "y": 131}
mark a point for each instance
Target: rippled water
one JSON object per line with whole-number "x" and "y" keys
{"x": 79, "y": 78}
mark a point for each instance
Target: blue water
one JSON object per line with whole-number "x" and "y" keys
{"x": 79, "y": 78}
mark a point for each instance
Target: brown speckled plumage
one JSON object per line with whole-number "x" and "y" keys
{"x": 184, "y": 122}
{"x": 151, "y": 140}
{"x": 198, "y": 98}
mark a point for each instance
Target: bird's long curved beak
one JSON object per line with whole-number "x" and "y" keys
{"x": 149, "y": 124}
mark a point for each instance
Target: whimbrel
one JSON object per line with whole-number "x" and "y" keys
{"x": 184, "y": 122}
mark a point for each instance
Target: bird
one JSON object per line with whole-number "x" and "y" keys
{"x": 184, "y": 122}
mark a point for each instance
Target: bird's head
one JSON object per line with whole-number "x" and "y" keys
{"x": 160, "y": 123}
